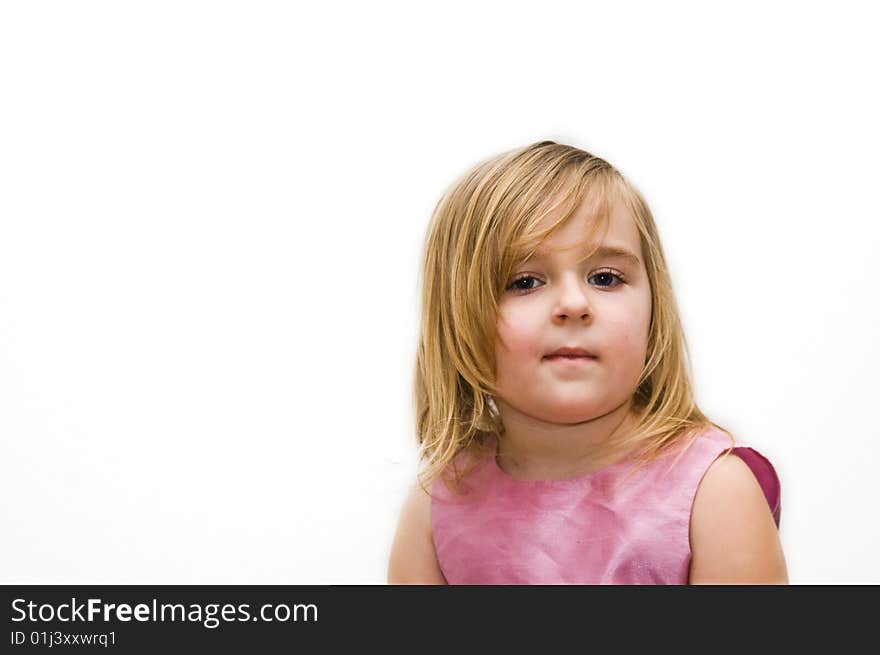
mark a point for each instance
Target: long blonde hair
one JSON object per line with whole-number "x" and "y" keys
{"x": 482, "y": 226}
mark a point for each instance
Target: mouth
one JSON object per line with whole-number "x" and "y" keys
{"x": 569, "y": 353}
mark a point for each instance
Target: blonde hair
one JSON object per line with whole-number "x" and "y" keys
{"x": 484, "y": 224}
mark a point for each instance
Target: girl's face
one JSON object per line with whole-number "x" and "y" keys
{"x": 601, "y": 305}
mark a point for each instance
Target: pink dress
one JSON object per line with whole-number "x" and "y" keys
{"x": 582, "y": 530}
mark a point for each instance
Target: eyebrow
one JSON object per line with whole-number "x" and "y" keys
{"x": 601, "y": 251}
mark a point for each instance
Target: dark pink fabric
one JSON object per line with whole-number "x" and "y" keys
{"x": 593, "y": 529}
{"x": 766, "y": 476}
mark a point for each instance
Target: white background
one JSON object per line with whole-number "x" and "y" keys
{"x": 211, "y": 222}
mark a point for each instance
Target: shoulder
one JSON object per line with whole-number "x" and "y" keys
{"x": 413, "y": 559}
{"x": 733, "y": 535}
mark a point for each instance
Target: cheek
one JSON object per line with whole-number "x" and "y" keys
{"x": 521, "y": 336}
{"x": 630, "y": 330}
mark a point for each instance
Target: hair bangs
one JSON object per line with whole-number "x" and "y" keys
{"x": 594, "y": 188}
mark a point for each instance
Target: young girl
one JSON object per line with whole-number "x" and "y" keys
{"x": 553, "y": 400}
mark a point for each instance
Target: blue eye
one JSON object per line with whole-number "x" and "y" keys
{"x": 517, "y": 284}
{"x": 608, "y": 278}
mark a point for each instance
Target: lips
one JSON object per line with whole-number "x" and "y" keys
{"x": 571, "y": 352}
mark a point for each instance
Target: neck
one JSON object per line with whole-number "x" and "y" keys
{"x": 533, "y": 449}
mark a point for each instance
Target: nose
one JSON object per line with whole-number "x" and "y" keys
{"x": 572, "y": 301}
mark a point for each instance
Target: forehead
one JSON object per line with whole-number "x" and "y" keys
{"x": 585, "y": 230}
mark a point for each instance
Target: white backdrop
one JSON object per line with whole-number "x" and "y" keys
{"x": 211, "y": 222}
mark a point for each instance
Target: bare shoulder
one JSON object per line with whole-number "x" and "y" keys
{"x": 413, "y": 559}
{"x": 734, "y": 539}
